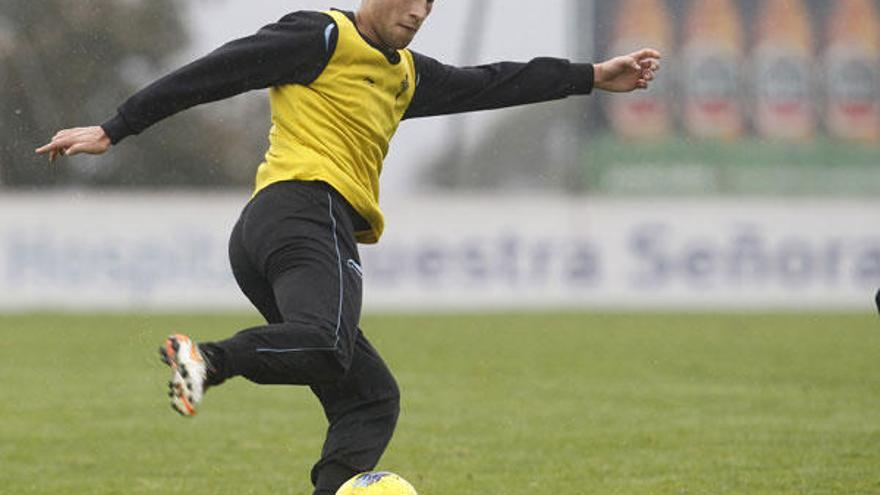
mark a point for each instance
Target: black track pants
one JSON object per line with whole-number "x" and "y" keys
{"x": 294, "y": 255}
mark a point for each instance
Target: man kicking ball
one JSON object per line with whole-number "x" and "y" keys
{"x": 339, "y": 83}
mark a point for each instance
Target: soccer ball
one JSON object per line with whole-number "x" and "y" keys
{"x": 377, "y": 483}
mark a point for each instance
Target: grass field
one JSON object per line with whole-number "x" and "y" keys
{"x": 501, "y": 404}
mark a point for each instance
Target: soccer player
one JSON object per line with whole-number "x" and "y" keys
{"x": 340, "y": 84}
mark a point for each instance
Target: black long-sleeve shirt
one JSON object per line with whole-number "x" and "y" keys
{"x": 296, "y": 49}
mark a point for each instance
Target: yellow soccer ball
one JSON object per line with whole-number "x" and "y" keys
{"x": 377, "y": 483}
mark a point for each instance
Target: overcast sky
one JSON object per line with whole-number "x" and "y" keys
{"x": 513, "y": 31}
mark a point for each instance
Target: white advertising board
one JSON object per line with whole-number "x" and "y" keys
{"x": 520, "y": 252}
{"x": 116, "y": 251}
{"x": 167, "y": 251}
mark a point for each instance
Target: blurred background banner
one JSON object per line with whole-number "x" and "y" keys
{"x": 164, "y": 251}
{"x": 773, "y": 97}
{"x": 748, "y": 176}
{"x": 118, "y": 251}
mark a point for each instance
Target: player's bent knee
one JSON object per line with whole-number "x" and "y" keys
{"x": 344, "y": 359}
{"x": 338, "y": 367}
{"x": 391, "y": 399}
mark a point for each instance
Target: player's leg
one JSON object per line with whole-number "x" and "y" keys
{"x": 317, "y": 290}
{"x": 313, "y": 343}
{"x": 194, "y": 369}
{"x": 362, "y": 406}
{"x": 298, "y": 237}
{"x": 252, "y": 282}
{"x": 290, "y": 242}
{"x": 305, "y": 251}
{"x": 877, "y": 299}
{"x": 362, "y": 410}
{"x": 255, "y": 286}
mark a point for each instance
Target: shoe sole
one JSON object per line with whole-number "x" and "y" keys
{"x": 178, "y": 387}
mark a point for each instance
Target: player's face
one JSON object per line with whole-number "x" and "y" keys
{"x": 396, "y": 22}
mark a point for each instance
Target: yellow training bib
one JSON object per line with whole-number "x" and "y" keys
{"x": 338, "y": 128}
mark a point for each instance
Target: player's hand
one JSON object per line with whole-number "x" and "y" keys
{"x": 629, "y": 72}
{"x": 69, "y": 142}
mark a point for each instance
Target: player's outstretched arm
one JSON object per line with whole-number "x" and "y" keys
{"x": 91, "y": 140}
{"x": 629, "y": 72}
{"x": 292, "y": 51}
{"x": 443, "y": 89}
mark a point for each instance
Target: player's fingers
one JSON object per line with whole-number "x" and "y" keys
{"x": 632, "y": 63}
{"x": 63, "y": 133}
{"x": 70, "y": 136}
{"x": 650, "y": 64}
{"x": 648, "y": 75}
{"x": 53, "y": 145}
{"x": 647, "y": 53}
{"x": 81, "y": 147}
{"x": 43, "y": 149}
{"x": 59, "y": 153}
{"x": 75, "y": 149}
{"x": 58, "y": 143}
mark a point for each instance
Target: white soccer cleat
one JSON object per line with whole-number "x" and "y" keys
{"x": 188, "y": 373}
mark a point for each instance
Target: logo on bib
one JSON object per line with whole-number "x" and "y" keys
{"x": 404, "y": 87}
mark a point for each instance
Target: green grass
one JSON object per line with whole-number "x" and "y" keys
{"x": 501, "y": 404}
